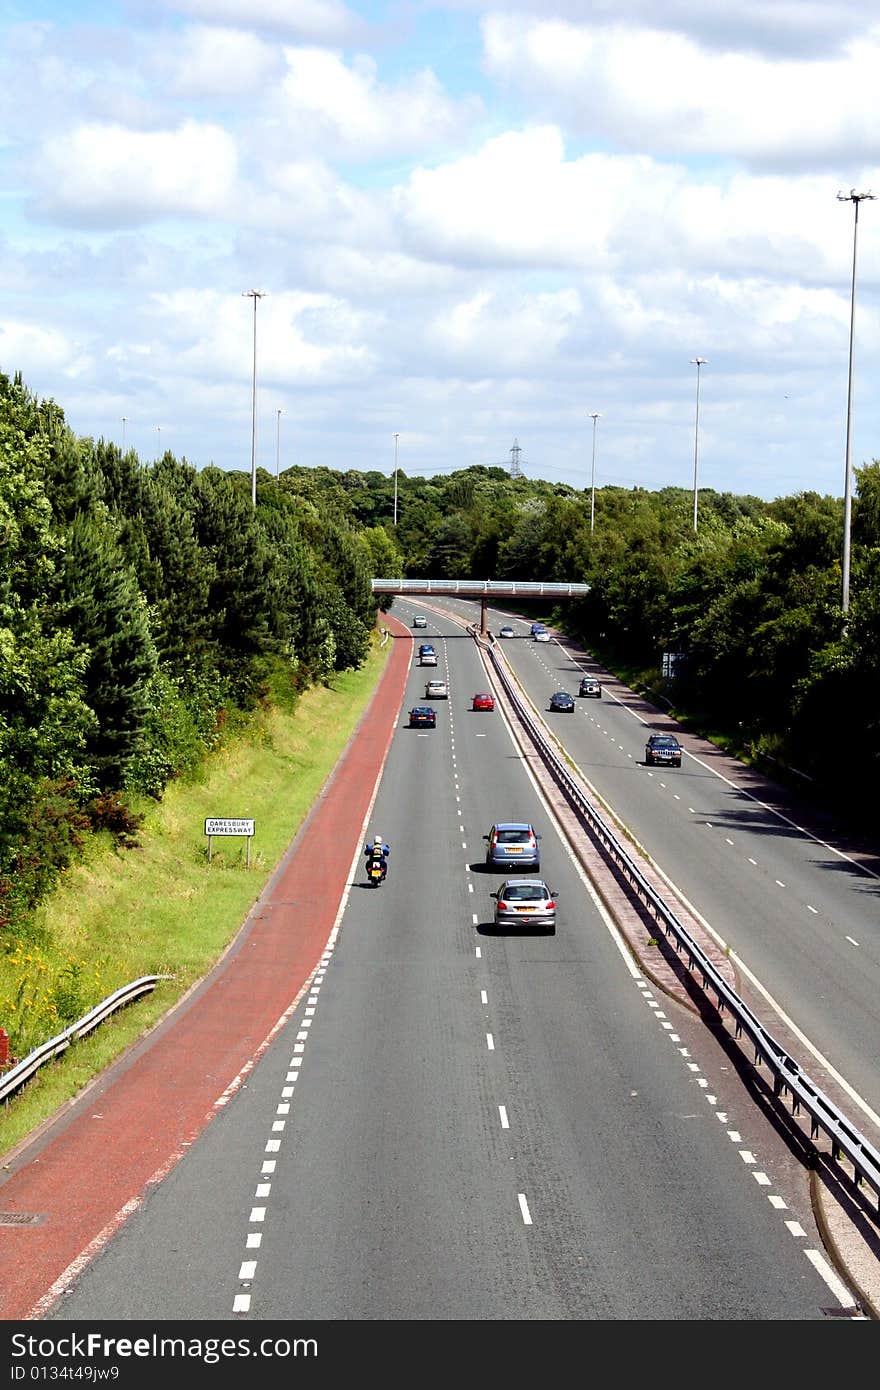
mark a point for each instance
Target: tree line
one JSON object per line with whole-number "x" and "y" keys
{"x": 750, "y": 603}
{"x": 146, "y": 609}
{"x": 143, "y": 611}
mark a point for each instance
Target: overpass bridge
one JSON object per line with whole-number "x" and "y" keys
{"x": 485, "y": 590}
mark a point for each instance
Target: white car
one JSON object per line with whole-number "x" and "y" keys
{"x": 436, "y": 690}
{"x": 420, "y": 620}
{"x": 543, "y": 636}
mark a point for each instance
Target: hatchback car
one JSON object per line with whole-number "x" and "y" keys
{"x": 420, "y": 620}
{"x": 436, "y": 690}
{"x": 561, "y": 702}
{"x": 506, "y": 632}
{"x": 590, "y": 686}
{"x": 542, "y": 636}
{"x": 526, "y": 902}
{"x": 483, "y": 700}
{"x": 427, "y": 657}
{"x": 422, "y": 717}
{"x": 513, "y": 844}
{"x": 663, "y": 750}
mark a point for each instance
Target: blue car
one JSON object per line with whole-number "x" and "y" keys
{"x": 513, "y": 845}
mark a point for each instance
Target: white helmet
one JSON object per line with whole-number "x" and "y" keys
{"x": 377, "y": 840}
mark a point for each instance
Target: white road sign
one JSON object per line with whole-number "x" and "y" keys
{"x": 228, "y": 825}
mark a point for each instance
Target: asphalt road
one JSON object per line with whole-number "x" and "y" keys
{"x": 799, "y": 909}
{"x": 457, "y": 1123}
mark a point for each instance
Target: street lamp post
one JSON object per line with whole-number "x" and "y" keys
{"x": 855, "y": 198}
{"x": 124, "y": 418}
{"x": 595, "y": 418}
{"x": 278, "y": 415}
{"x": 396, "y": 437}
{"x": 159, "y": 445}
{"x": 254, "y": 295}
{"x": 697, "y": 362}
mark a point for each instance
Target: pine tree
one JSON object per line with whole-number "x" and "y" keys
{"x": 98, "y": 598}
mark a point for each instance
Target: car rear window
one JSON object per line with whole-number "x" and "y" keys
{"x": 524, "y": 893}
{"x": 512, "y": 837}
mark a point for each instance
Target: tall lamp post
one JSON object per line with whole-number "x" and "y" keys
{"x": 124, "y": 419}
{"x": 595, "y": 418}
{"x": 159, "y": 445}
{"x": 697, "y": 362}
{"x": 855, "y": 198}
{"x": 254, "y": 295}
{"x": 396, "y": 437}
{"x": 278, "y": 415}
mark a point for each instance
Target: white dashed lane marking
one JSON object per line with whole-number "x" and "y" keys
{"x": 762, "y": 1179}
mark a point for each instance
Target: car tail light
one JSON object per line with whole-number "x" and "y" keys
{"x": 503, "y": 906}
{"x": 550, "y": 904}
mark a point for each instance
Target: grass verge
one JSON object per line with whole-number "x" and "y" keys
{"x": 163, "y": 908}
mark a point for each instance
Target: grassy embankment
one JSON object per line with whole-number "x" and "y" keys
{"x": 162, "y": 908}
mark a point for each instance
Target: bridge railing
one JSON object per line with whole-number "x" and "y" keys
{"x": 511, "y": 588}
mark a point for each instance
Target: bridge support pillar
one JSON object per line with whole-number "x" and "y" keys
{"x": 483, "y": 628}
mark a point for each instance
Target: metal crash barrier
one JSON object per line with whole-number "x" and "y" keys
{"x": 788, "y": 1075}
{"x": 48, "y": 1051}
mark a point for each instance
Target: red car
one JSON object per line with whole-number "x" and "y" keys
{"x": 483, "y": 701}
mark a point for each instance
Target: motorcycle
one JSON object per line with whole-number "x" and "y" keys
{"x": 375, "y": 872}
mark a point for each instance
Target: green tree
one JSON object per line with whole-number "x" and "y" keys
{"x": 99, "y": 600}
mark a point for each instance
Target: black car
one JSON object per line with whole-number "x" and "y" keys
{"x": 422, "y": 717}
{"x": 590, "y": 685}
{"x": 663, "y": 750}
{"x": 562, "y": 702}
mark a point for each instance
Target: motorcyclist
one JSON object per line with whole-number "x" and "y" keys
{"x": 378, "y": 849}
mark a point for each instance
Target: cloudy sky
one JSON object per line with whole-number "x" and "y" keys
{"x": 475, "y": 225}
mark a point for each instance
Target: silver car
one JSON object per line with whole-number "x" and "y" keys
{"x": 436, "y": 690}
{"x": 512, "y": 845}
{"x": 526, "y": 902}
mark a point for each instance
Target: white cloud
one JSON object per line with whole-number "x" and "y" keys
{"x": 324, "y": 20}
{"x": 459, "y": 259}
{"x": 519, "y": 201}
{"x": 645, "y": 88}
{"x": 782, "y": 27}
{"x": 210, "y": 61}
{"x": 301, "y": 338}
{"x": 378, "y": 274}
{"x": 307, "y": 198}
{"x": 516, "y": 200}
{"x": 112, "y": 175}
{"x": 27, "y": 348}
{"x": 343, "y": 110}
{"x": 491, "y": 332}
